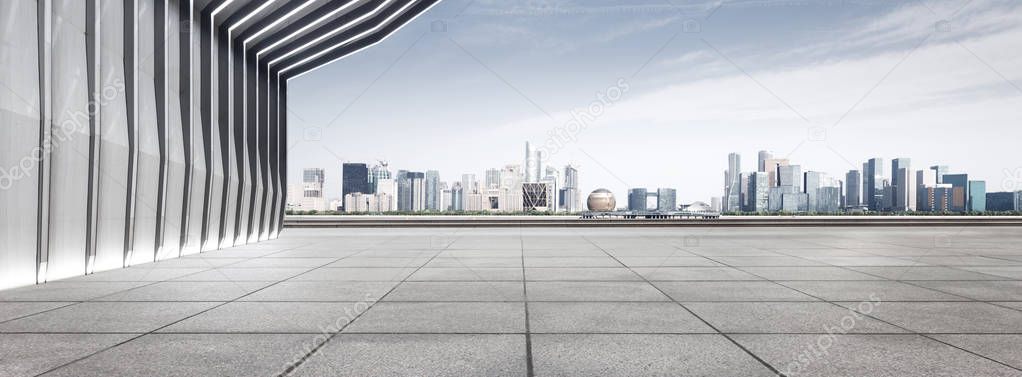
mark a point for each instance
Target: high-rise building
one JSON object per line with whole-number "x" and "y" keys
{"x": 468, "y": 186}
{"x": 534, "y": 168}
{"x": 760, "y": 192}
{"x": 874, "y": 178}
{"x": 378, "y": 172}
{"x": 666, "y": 200}
{"x": 959, "y": 191}
{"x": 937, "y": 198}
{"x": 433, "y": 192}
{"x": 764, "y": 156}
{"x": 457, "y": 197}
{"x": 828, "y": 199}
{"x": 309, "y": 196}
{"x": 977, "y": 196}
{"x": 715, "y": 203}
{"x": 924, "y": 179}
{"x": 637, "y": 199}
{"x": 746, "y": 196}
{"x": 853, "y": 189}
{"x": 387, "y": 187}
{"x": 732, "y": 184}
{"x": 417, "y": 182}
{"x": 938, "y": 173}
{"x": 354, "y": 178}
{"x": 572, "y": 201}
{"x": 790, "y": 176}
{"x": 404, "y": 191}
{"x": 812, "y": 181}
{"x": 492, "y": 179}
{"x": 904, "y": 187}
{"x": 448, "y": 198}
{"x": 771, "y": 166}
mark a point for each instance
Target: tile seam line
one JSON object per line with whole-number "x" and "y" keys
{"x": 775, "y": 371}
{"x": 293, "y": 367}
{"x": 154, "y": 331}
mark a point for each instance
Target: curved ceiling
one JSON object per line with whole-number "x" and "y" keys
{"x": 288, "y": 38}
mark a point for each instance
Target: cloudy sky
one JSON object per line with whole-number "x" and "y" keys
{"x": 657, "y": 93}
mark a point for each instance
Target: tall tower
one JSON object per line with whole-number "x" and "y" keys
{"x": 874, "y": 178}
{"x": 732, "y": 183}
{"x": 354, "y": 178}
{"x": 531, "y": 166}
{"x": 763, "y": 157}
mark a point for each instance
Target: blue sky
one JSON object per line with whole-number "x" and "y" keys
{"x": 826, "y": 83}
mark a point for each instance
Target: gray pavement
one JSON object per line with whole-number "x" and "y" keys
{"x": 535, "y": 301}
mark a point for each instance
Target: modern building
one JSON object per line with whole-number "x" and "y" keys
{"x": 377, "y": 173}
{"x": 764, "y": 156}
{"x": 811, "y": 183}
{"x": 903, "y": 185}
{"x": 959, "y": 191}
{"x": 977, "y": 196}
{"x": 938, "y": 173}
{"x": 571, "y": 202}
{"x": 354, "y": 178}
{"x": 534, "y": 168}
{"x": 790, "y": 176}
{"x": 457, "y": 197}
{"x": 760, "y": 192}
{"x": 828, "y": 199}
{"x": 732, "y": 184}
{"x": 601, "y": 200}
{"x": 873, "y": 176}
{"x": 492, "y": 179}
{"x": 924, "y": 179}
{"x": 535, "y": 197}
{"x": 156, "y": 128}
{"x": 1004, "y": 201}
{"x": 637, "y": 199}
{"x": 666, "y": 199}
{"x": 853, "y": 189}
{"x": 433, "y": 192}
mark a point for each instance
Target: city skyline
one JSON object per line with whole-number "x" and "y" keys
{"x": 746, "y": 165}
{"x": 828, "y": 82}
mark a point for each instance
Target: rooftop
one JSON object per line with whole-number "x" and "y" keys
{"x": 535, "y": 301}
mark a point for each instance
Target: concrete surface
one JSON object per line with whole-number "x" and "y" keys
{"x": 532, "y": 301}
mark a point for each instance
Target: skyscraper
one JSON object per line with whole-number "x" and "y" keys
{"x": 457, "y": 197}
{"x": 761, "y": 192}
{"x": 312, "y": 182}
{"x": 977, "y": 196}
{"x": 874, "y": 178}
{"x": 404, "y": 191}
{"x": 533, "y": 164}
{"x": 811, "y": 183}
{"x": 938, "y": 173}
{"x": 433, "y": 193}
{"x": 959, "y": 191}
{"x": 732, "y": 183}
{"x": 469, "y": 186}
{"x": 572, "y": 197}
{"x": 764, "y": 156}
{"x": 790, "y": 176}
{"x": 853, "y": 189}
{"x": 925, "y": 179}
{"x": 904, "y": 188}
{"x": 378, "y": 172}
{"x": 354, "y": 178}
{"x": 492, "y": 179}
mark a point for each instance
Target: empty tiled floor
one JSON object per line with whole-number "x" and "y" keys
{"x": 541, "y": 302}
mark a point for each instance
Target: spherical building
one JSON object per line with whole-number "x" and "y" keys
{"x": 601, "y": 200}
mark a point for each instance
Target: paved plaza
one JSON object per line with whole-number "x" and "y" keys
{"x": 716, "y": 301}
